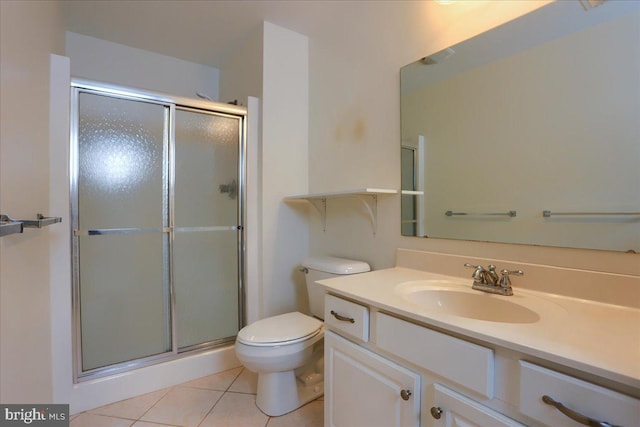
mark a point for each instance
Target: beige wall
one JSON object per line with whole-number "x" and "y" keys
{"x": 355, "y": 127}
{"x": 29, "y": 33}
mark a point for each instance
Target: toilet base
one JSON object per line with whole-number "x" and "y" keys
{"x": 281, "y": 392}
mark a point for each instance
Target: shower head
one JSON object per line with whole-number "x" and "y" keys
{"x": 203, "y": 96}
{"x": 438, "y": 56}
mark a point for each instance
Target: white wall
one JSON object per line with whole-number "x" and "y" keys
{"x": 29, "y": 32}
{"x": 104, "y": 61}
{"x": 355, "y": 127}
{"x": 284, "y": 155}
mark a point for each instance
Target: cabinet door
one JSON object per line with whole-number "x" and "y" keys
{"x": 363, "y": 389}
{"x": 452, "y": 409}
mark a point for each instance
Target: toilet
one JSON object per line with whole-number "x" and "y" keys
{"x": 287, "y": 350}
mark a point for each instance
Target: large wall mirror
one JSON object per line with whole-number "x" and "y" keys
{"x": 528, "y": 133}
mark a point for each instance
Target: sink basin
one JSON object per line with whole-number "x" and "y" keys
{"x": 439, "y": 295}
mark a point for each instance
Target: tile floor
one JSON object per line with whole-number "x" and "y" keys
{"x": 224, "y": 399}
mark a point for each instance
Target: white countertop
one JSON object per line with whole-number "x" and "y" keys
{"x": 601, "y": 339}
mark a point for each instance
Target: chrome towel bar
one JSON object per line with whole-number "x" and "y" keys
{"x": 548, "y": 214}
{"x": 510, "y": 213}
{"x": 14, "y": 226}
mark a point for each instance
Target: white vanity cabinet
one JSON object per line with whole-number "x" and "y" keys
{"x": 384, "y": 370}
{"x": 363, "y": 389}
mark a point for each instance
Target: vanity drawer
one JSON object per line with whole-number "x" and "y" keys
{"x": 346, "y": 317}
{"x": 459, "y": 361}
{"x": 585, "y": 398}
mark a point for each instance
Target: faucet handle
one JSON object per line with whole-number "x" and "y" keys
{"x": 505, "y": 281}
{"x": 479, "y": 273}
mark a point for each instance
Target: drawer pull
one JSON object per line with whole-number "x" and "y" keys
{"x": 405, "y": 394}
{"x": 342, "y": 318}
{"x": 436, "y": 412}
{"x": 575, "y": 416}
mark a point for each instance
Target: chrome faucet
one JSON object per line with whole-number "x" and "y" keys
{"x": 487, "y": 280}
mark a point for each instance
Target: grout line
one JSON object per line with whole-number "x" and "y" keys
{"x": 222, "y": 393}
{"x": 161, "y": 424}
{"x": 241, "y": 392}
{"x": 133, "y": 421}
{"x": 153, "y": 406}
{"x": 235, "y": 379}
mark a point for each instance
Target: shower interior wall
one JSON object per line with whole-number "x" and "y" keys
{"x": 105, "y": 61}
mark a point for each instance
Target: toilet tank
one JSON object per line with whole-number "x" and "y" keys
{"x": 318, "y": 268}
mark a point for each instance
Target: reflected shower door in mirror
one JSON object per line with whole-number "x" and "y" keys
{"x": 157, "y": 196}
{"x": 539, "y": 114}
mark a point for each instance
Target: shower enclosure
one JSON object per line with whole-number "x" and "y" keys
{"x": 157, "y": 217}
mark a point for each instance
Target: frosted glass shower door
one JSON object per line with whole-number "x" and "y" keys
{"x": 206, "y": 236}
{"x": 121, "y": 231}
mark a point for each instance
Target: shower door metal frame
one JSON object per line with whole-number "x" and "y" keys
{"x": 171, "y": 103}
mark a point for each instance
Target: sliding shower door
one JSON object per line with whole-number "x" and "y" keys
{"x": 157, "y": 219}
{"x": 206, "y": 213}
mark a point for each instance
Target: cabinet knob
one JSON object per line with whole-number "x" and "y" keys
{"x": 436, "y": 412}
{"x": 405, "y": 394}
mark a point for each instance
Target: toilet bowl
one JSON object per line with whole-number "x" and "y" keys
{"x": 295, "y": 340}
{"x": 287, "y": 350}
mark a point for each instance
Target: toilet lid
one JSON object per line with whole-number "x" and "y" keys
{"x": 285, "y": 328}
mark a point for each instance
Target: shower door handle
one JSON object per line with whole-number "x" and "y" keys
{"x": 105, "y": 231}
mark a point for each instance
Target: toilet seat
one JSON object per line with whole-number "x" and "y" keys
{"x": 284, "y": 329}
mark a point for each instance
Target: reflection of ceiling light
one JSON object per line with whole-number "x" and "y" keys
{"x": 114, "y": 163}
{"x": 446, "y": 1}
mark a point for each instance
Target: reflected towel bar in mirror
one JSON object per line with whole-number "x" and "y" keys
{"x": 548, "y": 214}
{"x": 510, "y": 213}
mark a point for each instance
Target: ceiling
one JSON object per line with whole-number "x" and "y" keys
{"x": 202, "y": 31}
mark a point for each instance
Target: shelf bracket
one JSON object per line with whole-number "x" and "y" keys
{"x": 321, "y": 206}
{"x": 367, "y": 196}
{"x": 370, "y": 202}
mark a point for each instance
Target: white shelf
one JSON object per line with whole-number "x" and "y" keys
{"x": 345, "y": 193}
{"x": 368, "y": 197}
